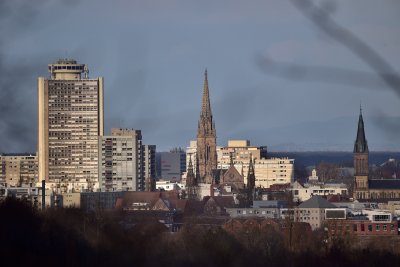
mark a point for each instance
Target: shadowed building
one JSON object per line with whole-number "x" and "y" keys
{"x": 206, "y": 139}
{"x": 364, "y": 187}
{"x": 191, "y": 182}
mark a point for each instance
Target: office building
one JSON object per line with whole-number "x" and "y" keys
{"x": 121, "y": 157}
{"x": 172, "y": 164}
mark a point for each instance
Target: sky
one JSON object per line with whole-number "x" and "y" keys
{"x": 276, "y": 76}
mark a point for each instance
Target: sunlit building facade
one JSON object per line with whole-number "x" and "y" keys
{"x": 70, "y": 121}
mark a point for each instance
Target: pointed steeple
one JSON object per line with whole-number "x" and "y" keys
{"x": 360, "y": 145}
{"x": 251, "y": 179}
{"x": 190, "y": 167}
{"x": 206, "y": 138}
{"x": 206, "y": 107}
{"x": 191, "y": 181}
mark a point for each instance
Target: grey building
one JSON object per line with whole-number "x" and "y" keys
{"x": 121, "y": 160}
{"x": 98, "y": 201}
{"x": 171, "y": 164}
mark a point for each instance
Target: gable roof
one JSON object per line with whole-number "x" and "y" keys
{"x": 297, "y": 184}
{"x": 232, "y": 170}
{"x": 316, "y": 202}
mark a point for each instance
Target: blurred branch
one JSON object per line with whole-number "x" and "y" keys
{"x": 322, "y": 19}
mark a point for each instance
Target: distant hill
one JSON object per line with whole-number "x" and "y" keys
{"x": 340, "y": 158}
{"x": 338, "y": 134}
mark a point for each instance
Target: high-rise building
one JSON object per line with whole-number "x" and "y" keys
{"x": 126, "y": 164}
{"x": 18, "y": 169}
{"x": 70, "y": 121}
{"x": 206, "y": 157}
{"x": 121, "y": 157}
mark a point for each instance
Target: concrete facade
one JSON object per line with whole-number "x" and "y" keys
{"x": 121, "y": 157}
{"x": 70, "y": 121}
{"x": 18, "y": 169}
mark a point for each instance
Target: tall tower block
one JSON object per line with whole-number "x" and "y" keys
{"x": 70, "y": 121}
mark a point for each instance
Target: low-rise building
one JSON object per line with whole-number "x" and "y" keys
{"x": 312, "y": 211}
{"x": 304, "y": 192}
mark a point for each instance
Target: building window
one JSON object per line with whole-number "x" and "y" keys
{"x": 369, "y": 227}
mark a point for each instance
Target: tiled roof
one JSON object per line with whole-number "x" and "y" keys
{"x": 316, "y": 202}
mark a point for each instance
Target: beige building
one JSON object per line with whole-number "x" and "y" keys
{"x": 70, "y": 121}
{"x": 304, "y": 192}
{"x": 267, "y": 171}
{"x": 18, "y": 169}
{"x": 312, "y": 211}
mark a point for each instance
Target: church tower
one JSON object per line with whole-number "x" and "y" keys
{"x": 191, "y": 182}
{"x": 360, "y": 156}
{"x": 206, "y": 139}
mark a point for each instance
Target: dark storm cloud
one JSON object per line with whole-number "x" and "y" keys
{"x": 18, "y": 89}
{"x": 307, "y": 73}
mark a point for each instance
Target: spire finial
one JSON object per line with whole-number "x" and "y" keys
{"x": 360, "y": 107}
{"x": 205, "y": 73}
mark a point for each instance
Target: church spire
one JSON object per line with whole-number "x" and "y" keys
{"x": 191, "y": 181}
{"x": 206, "y": 138}
{"x": 360, "y": 145}
{"x": 206, "y": 107}
{"x": 251, "y": 179}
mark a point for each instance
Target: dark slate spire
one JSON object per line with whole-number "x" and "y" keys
{"x": 360, "y": 146}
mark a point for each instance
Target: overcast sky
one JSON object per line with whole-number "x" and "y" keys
{"x": 153, "y": 53}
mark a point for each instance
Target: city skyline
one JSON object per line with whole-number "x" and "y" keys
{"x": 153, "y": 70}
